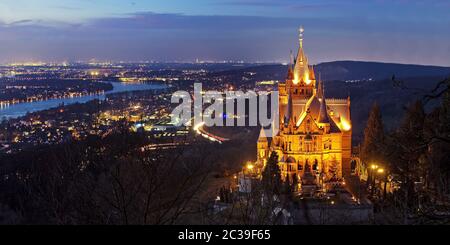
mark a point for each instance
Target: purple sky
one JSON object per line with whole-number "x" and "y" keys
{"x": 404, "y": 31}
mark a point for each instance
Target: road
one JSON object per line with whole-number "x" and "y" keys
{"x": 199, "y": 128}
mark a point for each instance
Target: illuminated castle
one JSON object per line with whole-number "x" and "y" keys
{"x": 314, "y": 141}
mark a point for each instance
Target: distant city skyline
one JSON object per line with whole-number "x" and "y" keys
{"x": 397, "y": 31}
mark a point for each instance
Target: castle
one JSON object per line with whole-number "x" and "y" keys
{"x": 314, "y": 140}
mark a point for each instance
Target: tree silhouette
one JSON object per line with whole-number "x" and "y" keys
{"x": 271, "y": 175}
{"x": 373, "y": 137}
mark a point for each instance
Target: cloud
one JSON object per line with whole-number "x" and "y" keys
{"x": 177, "y": 36}
{"x": 290, "y": 5}
{"x": 20, "y": 22}
{"x": 151, "y": 20}
{"x": 256, "y": 3}
{"x": 67, "y": 8}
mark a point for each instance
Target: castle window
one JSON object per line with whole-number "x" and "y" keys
{"x": 300, "y": 167}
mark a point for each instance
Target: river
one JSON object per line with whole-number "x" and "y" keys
{"x": 18, "y": 110}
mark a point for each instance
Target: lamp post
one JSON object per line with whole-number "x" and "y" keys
{"x": 373, "y": 168}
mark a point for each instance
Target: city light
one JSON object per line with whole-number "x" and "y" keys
{"x": 198, "y": 126}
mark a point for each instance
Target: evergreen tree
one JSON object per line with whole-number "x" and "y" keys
{"x": 372, "y": 148}
{"x": 439, "y": 151}
{"x": 406, "y": 149}
{"x": 294, "y": 182}
{"x": 271, "y": 175}
{"x": 287, "y": 188}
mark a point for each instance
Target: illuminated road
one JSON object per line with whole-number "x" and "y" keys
{"x": 166, "y": 146}
{"x": 201, "y": 131}
{"x": 198, "y": 128}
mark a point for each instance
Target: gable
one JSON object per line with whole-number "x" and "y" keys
{"x": 308, "y": 121}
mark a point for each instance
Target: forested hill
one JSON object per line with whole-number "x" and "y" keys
{"x": 347, "y": 70}
{"x": 358, "y": 70}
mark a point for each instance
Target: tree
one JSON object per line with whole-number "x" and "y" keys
{"x": 287, "y": 188}
{"x": 372, "y": 147}
{"x": 271, "y": 175}
{"x": 294, "y": 182}
{"x": 373, "y": 137}
{"x": 406, "y": 148}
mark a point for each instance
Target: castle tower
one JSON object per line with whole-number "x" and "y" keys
{"x": 314, "y": 140}
{"x": 262, "y": 147}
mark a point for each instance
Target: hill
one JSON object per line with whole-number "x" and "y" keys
{"x": 346, "y": 71}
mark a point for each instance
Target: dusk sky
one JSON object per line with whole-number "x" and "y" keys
{"x": 403, "y": 31}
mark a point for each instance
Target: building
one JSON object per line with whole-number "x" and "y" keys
{"x": 314, "y": 140}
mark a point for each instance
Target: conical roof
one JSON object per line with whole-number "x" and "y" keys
{"x": 323, "y": 114}
{"x": 320, "y": 89}
{"x": 288, "y": 112}
{"x": 262, "y": 135}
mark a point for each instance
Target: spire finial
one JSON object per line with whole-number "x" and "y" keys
{"x": 300, "y": 35}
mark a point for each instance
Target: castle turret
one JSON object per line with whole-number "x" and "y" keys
{"x": 262, "y": 147}
{"x": 289, "y": 110}
{"x": 319, "y": 93}
{"x": 323, "y": 119}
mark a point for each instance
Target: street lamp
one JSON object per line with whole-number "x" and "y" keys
{"x": 372, "y": 175}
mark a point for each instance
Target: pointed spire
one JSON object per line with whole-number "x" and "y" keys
{"x": 320, "y": 88}
{"x": 288, "y": 113}
{"x": 300, "y": 36}
{"x": 323, "y": 114}
{"x": 312, "y": 75}
{"x": 262, "y": 135}
{"x": 301, "y": 67}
